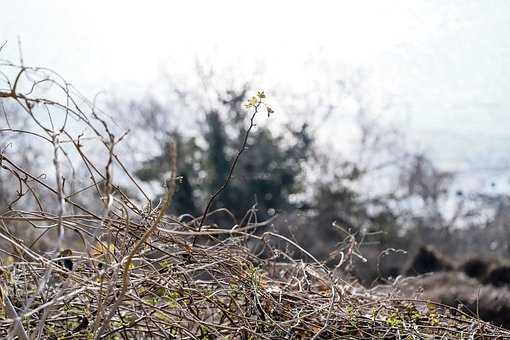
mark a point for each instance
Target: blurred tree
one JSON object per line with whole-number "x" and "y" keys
{"x": 267, "y": 175}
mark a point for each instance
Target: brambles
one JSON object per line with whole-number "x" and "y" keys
{"x": 155, "y": 281}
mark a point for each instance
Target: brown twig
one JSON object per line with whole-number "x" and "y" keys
{"x": 167, "y": 200}
{"x": 231, "y": 169}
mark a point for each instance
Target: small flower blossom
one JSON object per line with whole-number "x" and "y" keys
{"x": 252, "y": 102}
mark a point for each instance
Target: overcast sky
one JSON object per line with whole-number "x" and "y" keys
{"x": 439, "y": 68}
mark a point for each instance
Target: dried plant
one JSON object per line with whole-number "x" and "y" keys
{"x": 134, "y": 272}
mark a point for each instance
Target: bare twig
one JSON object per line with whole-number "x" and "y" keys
{"x": 233, "y": 165}
{"x": 170, "y": 190}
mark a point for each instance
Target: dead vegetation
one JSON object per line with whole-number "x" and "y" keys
{"x": 134, "y": 272}
{"x": 217, "y": 291}
{"x": 453, "y": 288}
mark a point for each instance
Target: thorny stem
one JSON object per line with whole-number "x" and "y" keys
{"x": 230, "y": 172}
{"x": 170, "y": 190}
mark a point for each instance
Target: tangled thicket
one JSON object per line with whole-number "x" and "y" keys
{"x": 118, "y": 267}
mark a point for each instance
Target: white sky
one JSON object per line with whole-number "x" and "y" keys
{"x": 440, "y": 68}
